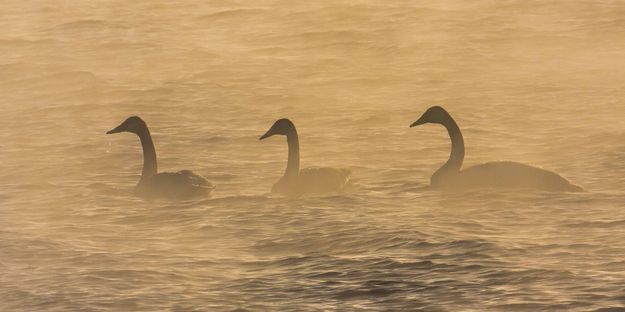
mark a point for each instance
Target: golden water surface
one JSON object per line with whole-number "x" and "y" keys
{"x": 539, "y": 82}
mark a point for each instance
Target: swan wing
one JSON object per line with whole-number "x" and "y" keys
{"x": 176, "y": 185}
{"x": 193, "y": 178}
{"x": 315, "y": 180}
{"x": 510, "y": 174}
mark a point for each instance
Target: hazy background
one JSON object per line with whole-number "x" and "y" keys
{"x": 531, "y": 81}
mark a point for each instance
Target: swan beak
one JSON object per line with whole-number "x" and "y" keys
{"x": 266, "y": 135}
{"x": 118, "y": 129}
{"x": 418, "y": 122}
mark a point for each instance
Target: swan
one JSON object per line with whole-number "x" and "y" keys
{"x": 505, "y": 174}
{"x": 175, "y": 185}
{"x": 296, "y": 182}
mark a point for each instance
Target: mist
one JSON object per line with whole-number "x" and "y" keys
{"x": 532, "y": 82}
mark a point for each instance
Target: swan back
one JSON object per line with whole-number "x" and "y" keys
{"x": 314, "y": 181}
{"x": 505, "y": 174}
{"x": 174, "y": 185}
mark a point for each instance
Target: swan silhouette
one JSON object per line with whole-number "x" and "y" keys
{"x": 502, "y": 174}
{"x": 296, "y": 182}
{"x": 174, "y": 185}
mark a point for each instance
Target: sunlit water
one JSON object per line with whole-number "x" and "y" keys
{"x": 531, "y": 81}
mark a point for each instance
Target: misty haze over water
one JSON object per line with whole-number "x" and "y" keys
{"x": 529, "y": 81}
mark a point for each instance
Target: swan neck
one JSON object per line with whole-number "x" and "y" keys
{"x": 149, "y": 154}
{"x": 457, "y": 146}
{"x": 292, "y": 167}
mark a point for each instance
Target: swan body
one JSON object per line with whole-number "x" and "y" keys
{"x": 178, "y": 185}
{"x": 498, "y": 174}
{"x": 296, "y": 182}
{"x": 313, "y": 181}
{"x": 174, "y": 185}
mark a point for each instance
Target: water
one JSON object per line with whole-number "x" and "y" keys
{"x": 529, "y": 81}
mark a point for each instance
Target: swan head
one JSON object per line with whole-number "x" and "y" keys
{"x": 133, "y": 124}
{"x": 281, "y": 126}
{"x": 434, "y": 114}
